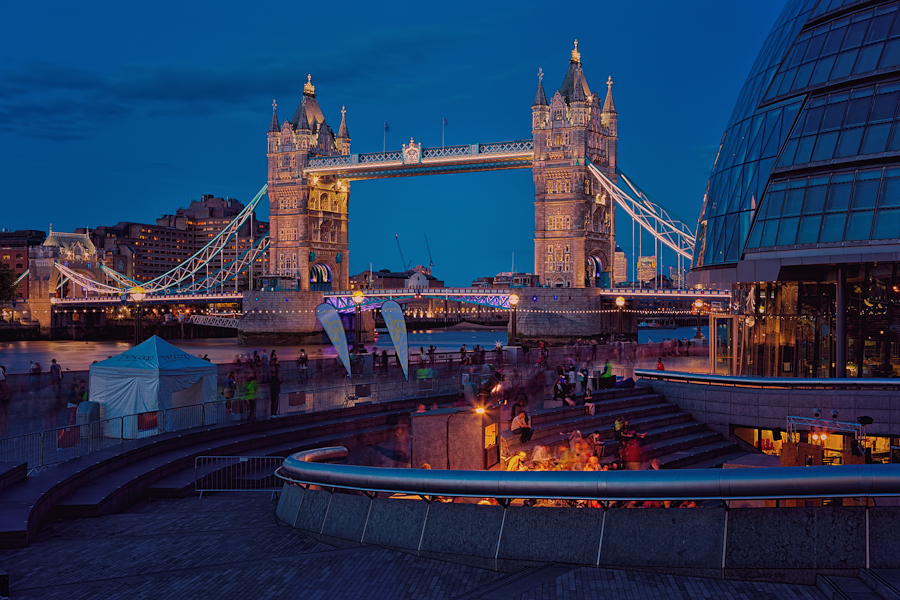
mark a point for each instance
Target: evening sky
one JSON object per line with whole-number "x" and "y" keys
{"x": 113, "y": 111}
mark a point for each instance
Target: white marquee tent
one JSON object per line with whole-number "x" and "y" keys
{"x": 154, "y": 375}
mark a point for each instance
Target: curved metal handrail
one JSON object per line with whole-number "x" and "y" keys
{"x": 851, "y": 481}
{"x": 765, "y": 382}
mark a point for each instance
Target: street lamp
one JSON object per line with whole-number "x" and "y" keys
{"x": 137, "y": 294}
{"x": 513, "y": 302}
{"x": 698, "y": 305}
{"x": 358, "y": 298}
{"x": 620, "y": 302}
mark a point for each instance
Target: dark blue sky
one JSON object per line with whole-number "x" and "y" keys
{"x": 124, "y": 111}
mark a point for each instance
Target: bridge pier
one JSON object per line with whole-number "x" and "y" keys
{"x": 289, "y": 317}
{"x": 560, "y": 315}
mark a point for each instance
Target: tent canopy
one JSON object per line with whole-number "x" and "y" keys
{"x": 154, "y": 375}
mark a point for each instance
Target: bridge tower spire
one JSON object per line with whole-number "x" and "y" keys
{"x": 574, "y": 233}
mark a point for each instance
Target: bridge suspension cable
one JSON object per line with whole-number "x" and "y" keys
{"x": 653, "y": 218}
{"x": 231, "y": 270}
{"x": 182, "y": 273}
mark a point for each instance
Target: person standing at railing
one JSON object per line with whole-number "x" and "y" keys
{"x": 302, "y": 366}
{"x": 228, "y": 390}
{"x": 4, "y": 385}
{"x": 56, "y": 375}
{"x": 263, "y": 367}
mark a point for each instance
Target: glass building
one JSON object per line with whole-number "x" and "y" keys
{"x": 801, "y": 215}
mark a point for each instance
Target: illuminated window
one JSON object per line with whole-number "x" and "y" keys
{"x": 557, "y": 139}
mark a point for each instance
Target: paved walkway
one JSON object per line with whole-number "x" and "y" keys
{"x": 230, "y": 546}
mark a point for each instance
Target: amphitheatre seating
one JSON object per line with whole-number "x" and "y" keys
{"x": 114, "y": 478}
{"x": 11, "y": 473}
{"x": 673, "y": 437}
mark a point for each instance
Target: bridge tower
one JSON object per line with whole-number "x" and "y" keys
{"x": 574, "y": 226}
{"x": 309, "y": 223}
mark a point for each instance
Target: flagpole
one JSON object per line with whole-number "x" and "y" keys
{"x": 442, "y": 132}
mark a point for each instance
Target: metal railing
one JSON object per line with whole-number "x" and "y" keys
{"x": 51, "y": 446}
{"x": 850, "y": 481}
{"x": 237, "y": 474}
{"x": 797, "y": 383}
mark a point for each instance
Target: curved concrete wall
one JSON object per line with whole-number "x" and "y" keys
{"x": 790, "y": 545}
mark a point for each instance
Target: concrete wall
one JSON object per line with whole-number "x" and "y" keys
{"x": 790, "y": 545}
{"x": 722, "y": 405}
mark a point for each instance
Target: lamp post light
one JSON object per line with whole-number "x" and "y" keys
{"x": 358, "y": 298}
{"x": 137, "y": 294}
{"x": 620, "y": 302}
{"x": 513, "y": 303}
{"x": 698, "y": 305}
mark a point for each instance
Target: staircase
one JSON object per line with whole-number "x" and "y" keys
{"x": 673, "y": 436}
{"x": 872, "y": 584}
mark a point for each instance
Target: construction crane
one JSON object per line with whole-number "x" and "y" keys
{"x": 430, "y": 260}
{"x": 402, "y": 260}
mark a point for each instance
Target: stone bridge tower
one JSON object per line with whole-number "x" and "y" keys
{"x": 309, "y": 223}
{"x": 574, "y": 226}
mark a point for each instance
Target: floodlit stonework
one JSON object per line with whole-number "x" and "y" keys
{"x": 574, "y": 229}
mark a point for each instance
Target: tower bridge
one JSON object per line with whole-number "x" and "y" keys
{"x": 573, "y": 156}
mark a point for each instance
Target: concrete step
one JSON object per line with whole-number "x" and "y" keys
{"x": 611, "y": 405}
{"x": 12, "y": 473}
{"x": 687, "y": 458}
{"x": 676, "y": 444}
{"x": 649, "y": 423}
{"x": 885, "y": 582}
{"x": 719, "y": 460}
{"x": 603, "y": 422}
{"x": 97, "y": 498}
{"x": 845, "y": 588}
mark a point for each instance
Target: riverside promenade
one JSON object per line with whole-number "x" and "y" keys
{"x": 230, "y": 546}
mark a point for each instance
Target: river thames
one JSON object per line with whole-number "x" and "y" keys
{"x": 17, "y": 356}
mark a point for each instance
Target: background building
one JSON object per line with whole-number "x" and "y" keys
{"x": 143, "y": 251}
{"x": 620, "y": 267}
{"x": 14, "y": 247}
{"x": 574, "y": 226}
{"x": 802, "y": 210}
{"x": 646, "y": 268}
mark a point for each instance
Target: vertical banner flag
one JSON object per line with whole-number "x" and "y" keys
{"x": 331, "y": 321}
{"x": 396, "y": 324}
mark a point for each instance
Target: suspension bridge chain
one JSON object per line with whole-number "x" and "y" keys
{"x": 186, "y": 270}
{"x": 652, "y": 217}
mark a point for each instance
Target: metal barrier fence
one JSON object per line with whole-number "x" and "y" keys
{"x": 63, "y": 443}
{"x": 237, "y": 474}
{"x": 22, "y": 448}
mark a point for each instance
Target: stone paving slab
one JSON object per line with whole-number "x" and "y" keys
{"x": 231, "y": 546}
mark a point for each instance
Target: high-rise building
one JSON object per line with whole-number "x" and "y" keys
{"x": 574, "y": 229}
{"x": 646, "y": 268}
{"x": 309, "y": 215}
{"x": 802, "y": 211}
{"x": 677, "y": 277}
{"x": 620, "y": 267}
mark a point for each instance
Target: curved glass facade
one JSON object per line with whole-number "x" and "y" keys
{"x": 748, "y": 149}
{"x": 802, "y": 210}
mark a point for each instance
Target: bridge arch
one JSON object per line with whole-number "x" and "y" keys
{"x": 320, "y": 276}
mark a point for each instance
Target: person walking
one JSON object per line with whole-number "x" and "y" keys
{"x": 250, "y": 390}
{"x": 274, "y": 391}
